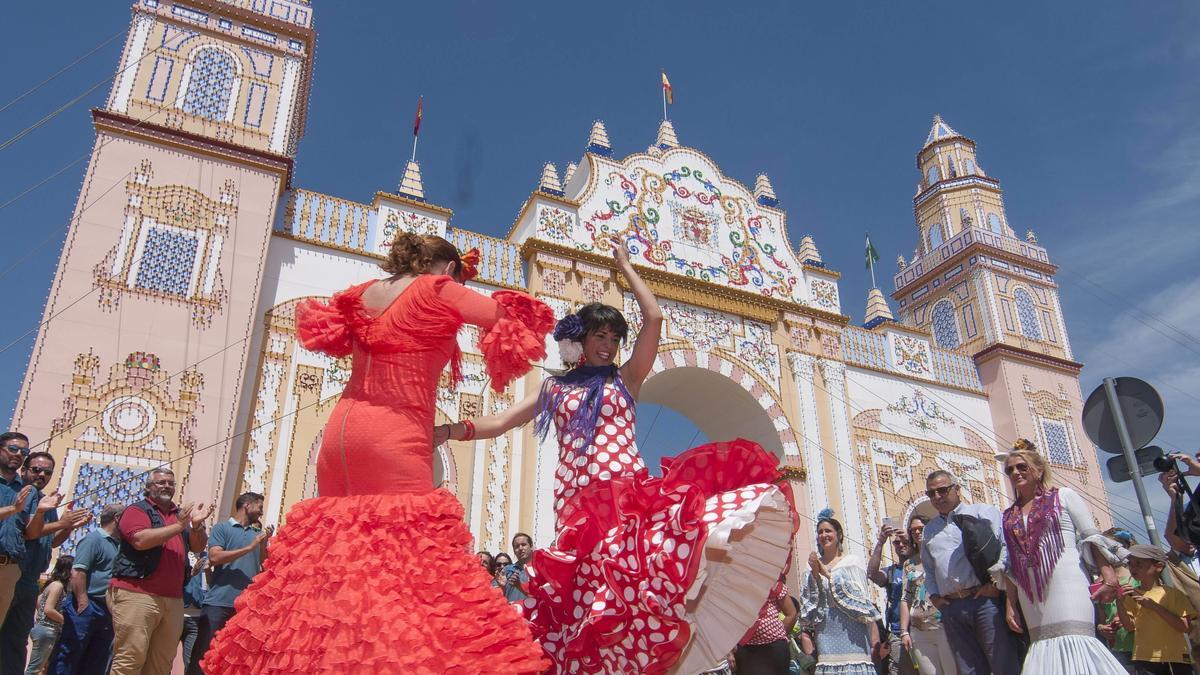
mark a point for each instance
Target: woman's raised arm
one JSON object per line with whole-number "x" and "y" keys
{"x": 645, "y": 347}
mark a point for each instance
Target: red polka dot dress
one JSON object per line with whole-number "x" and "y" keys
{"x": 654, "y": 575}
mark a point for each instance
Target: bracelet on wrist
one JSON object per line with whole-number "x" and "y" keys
{"x": 469, "y": 430}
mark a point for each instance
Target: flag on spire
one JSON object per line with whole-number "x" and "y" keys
{"x": 667, "y": 91}
{"x": 872, "y": 254}
{"x": 417, "y": 119}
{"x": 872, "y": 258}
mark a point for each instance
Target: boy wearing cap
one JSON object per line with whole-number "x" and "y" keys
{"x": 1159, "y": 617}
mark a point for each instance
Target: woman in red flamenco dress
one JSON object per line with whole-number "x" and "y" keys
{"x": 646, "y": 575}
{"x": 321, "y": 604}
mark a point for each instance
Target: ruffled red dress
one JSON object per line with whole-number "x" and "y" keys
{"x": 376, "y": 574}
{"x": 655, "y": 575}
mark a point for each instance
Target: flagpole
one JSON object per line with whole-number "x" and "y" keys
{"x": 664, "y": 95}
{"x": 872, "y": 267}
{"x": 414, "y": 154}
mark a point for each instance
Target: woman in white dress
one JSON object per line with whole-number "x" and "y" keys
{"x": 835, "y": 602}
{"x": 1050, "y": 535}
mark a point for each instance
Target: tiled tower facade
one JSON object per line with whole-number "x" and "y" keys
{"x": 979, "y": 288}
{"x": 144, "y": 346}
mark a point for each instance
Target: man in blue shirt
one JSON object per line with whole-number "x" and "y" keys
{"x": 14, "y": 634}
{"x": 236, "y": 550}
{"x": 28, "y": 523}
{"x": 517, "y": 576}
{"x": 972, "y": 609}
{"x": 15, "y": 498}
{"x": 85, "y": 645}
{"x": 891, "y": 578}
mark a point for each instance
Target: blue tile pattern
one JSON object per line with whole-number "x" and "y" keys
{"x": 99, "y": 484}
{"x": 1058, "y": 444}
{"x": 167, "y": 262}
{"x": 1030, "y": 327}
{"x": 945, "y": 328}
{"x": 211, "y": 85}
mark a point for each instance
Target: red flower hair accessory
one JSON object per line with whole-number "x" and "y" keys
{"x": 470, "y": 264}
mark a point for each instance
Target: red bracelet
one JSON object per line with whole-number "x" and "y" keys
{"x": 469, "y": 430}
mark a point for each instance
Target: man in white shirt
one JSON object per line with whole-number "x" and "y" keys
{"x": 972, "y": 610}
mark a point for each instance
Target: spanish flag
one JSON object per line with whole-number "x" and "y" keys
{"x": 417, "y": 120}
{"x": 666, "y": 84}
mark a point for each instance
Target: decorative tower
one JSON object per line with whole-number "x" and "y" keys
{"x": 159, "y": 277}
{"x": 980, "y": 289}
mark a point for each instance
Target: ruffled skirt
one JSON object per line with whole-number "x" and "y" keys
{"x": 651, "y": 575}
{"x": 373, "y": 584}
{"x": 1075, "y": 654}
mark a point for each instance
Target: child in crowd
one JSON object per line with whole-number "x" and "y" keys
{"x": 1159, "y": 617}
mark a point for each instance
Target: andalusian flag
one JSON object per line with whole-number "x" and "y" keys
{"x": 666, "y": 84}
{"x": 417, "y": 120}
{"x": 872, "y": 254}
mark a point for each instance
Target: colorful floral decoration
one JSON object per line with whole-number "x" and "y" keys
{"x": 912, "y": 355}
{"x": 921, "y": 412}
{"x": 405, "y": 221}
{"x": 824, "y": 294}
{"x": 555, "y": 224}
{"x": 708, "y": 215}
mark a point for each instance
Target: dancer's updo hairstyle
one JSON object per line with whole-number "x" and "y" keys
{"x": 414, "y": 253}
{"x": 597, "y": 315}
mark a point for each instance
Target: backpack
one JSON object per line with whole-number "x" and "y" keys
{"x": 981, "y": 544}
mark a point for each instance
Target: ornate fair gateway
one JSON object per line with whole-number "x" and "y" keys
{"x": 190, "y": 250}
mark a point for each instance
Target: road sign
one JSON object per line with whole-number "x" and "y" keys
{"x": 1118, "y": 469}
{"x": 1141, "y": 406}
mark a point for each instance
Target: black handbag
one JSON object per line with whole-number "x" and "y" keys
{"x": 981, "y": 544}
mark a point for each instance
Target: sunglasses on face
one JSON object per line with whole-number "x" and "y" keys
{"x": 939, "y": 492}
{"x": 37, "y": 470}
{"x": 1013, "y": 468}
{"x": 17, "y": 450}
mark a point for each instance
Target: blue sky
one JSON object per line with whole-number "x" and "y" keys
{"x": 1086, "y": 112}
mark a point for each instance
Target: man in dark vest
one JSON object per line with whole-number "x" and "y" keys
{"x": 145, "y": 595}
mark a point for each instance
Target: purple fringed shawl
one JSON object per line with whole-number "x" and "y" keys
{"x": 1035, "y": 543}
{"x": 582, "y": 423}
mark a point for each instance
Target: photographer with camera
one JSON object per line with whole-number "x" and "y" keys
{"x": 1182, "y": 532}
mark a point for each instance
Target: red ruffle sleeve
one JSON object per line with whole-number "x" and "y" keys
{"x": 330, "y": 327}
{"x": 517, "y": 339}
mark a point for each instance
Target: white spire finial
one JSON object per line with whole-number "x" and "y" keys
{"x": 666, "y": 136}
{"x": 550, "y": 182}
{"x": 569, "y": 173}
{"x": 877, "y": 309}
{"x": 410, "y": 185}
{"x": 598, "y": 140}
{"x": 808, "y": 253}
{"x": 764, "y": 192}
{"x": 939, "y": 131}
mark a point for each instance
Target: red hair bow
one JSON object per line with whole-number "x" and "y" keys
{"x": 470, "y": 264}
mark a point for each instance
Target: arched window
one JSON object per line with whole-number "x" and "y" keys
{"x": 994, "y": 224}
{"x": 935, "y": 236}
{"x": 932, "y": 176}
{"x": 210, "y": 85}
{"x": 953, "y": 173}
{"x": 945, "y": 328}
{"x": 970, "y": 164}
{"x": 1027, "y": 314}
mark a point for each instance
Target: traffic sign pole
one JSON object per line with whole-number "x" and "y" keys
{"x": 1110, "y": 392}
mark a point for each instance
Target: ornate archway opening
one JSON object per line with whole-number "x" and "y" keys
{"x": 716, "y": 406}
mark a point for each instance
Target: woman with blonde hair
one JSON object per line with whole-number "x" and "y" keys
{"x": 320, "y": 604}
{"x": 1050, "y": 537}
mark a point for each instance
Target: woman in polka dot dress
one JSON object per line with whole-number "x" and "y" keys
{"x": 646, "y": 575}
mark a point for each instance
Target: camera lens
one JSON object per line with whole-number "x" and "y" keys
{"x": 1164, "y": 463}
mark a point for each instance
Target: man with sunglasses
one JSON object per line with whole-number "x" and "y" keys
{"x": 35, "y": 471}
{"x": 972, "y": 611}
{"x": 23, "y": 517}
